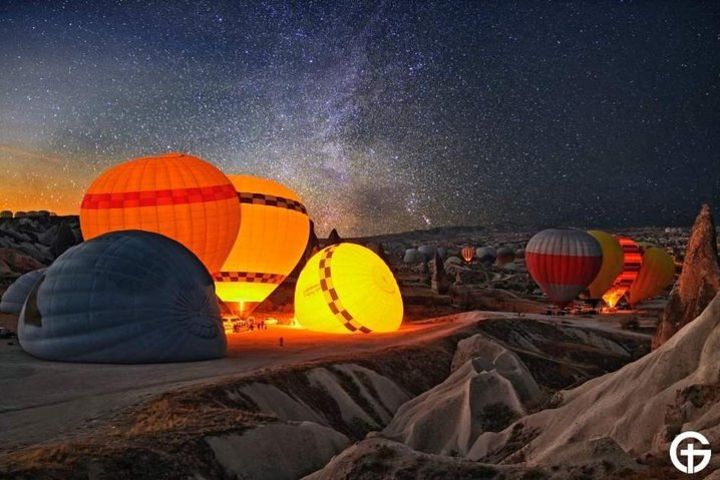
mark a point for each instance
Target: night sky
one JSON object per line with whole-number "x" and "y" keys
{"x": 384, "y": 116}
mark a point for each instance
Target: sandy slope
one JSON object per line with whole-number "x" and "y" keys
{"x": 46, "y": 400}
{"x": 639, "y": 407}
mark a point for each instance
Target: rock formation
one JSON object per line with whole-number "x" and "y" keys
{"x": 277, "y": 450}
{"x": 379, "y": 459}
{"x": 698, "y": 283}
{"x": 440, "y": 282}
{"x": 64, "y": 239}
{"x": 640, "y": 407}
{"x": 485, "y": 393}
{"x": 333, "y": 238}
{"x": 13, "y": 263}
{"x": 491, "y": 355}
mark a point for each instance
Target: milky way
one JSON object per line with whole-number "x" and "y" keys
{"x": 384, "y": 116}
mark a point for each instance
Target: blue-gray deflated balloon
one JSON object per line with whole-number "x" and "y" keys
{"x": 124, "y": 297}
{"x": 18, "y": 291}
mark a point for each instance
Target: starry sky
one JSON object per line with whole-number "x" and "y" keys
{"x": 383, "y": 116}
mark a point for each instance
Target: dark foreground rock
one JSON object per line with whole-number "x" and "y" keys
{"x": 698, "y": 283}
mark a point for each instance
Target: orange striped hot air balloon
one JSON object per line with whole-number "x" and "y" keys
{"x": 176, "y": 195}
{"x": 632, "y": 261}
{"x": 468, "y": 253}
{"x": 656, "y": 273}
{"x": 272, "y": 237}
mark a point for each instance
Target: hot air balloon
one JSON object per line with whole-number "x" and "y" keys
{"x": 18, "y": 291}
{"x": 656, "y": 273}
{"x": 612, "y": 264}
{"x": 346, "y": 288}
{"x": 505, "y": 255}
{"x": 274, "y": 231}
{"x": 467, "y": 253}
{"x": 176, "y": 195}
{"x": 486, "y": 254}
{"x": 413, "y": 256}
{"x": 123, "y": 297}
{"x": 428, "y": 251}
{"x": 632, "y": 261}
{"x": 563, "y": 262}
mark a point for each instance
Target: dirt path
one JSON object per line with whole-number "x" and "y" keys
{"x": 42, "y": 401}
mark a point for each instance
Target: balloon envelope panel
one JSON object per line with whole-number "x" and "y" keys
{"x": 123, "y": 297}
{"x": 612, "y": 264}
{"x": 17, "y": 293}
{"x": 176, "y": 195}
{"x": 274, "y": 231}
{"x": 632, "y": 262}
{"x": 563, "y": 262}
{"x": 656, "y": 273}
{"x": 347, "y": 288}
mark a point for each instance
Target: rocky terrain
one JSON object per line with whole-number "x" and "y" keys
{"x": 290, "y": 422}
{"x": 617, "y": 425}
{"x": 516, "y": 394}
{"x": 31, "y": 242}
{"x": 699, "y": 281}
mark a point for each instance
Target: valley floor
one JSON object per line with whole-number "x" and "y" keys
{"x": 43, "y": 400}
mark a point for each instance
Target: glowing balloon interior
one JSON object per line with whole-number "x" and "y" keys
{"x": 176, "y": 195}
{"x": 272, "y": 237}
{"x": 632, "y": 261}
{"x": 347, "y": 288}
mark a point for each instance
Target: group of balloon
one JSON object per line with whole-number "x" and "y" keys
{"x": 166, "y": 237}
{"x": 485, "y": 255}
{"x": 566, "y": 263}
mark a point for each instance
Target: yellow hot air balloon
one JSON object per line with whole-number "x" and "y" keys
{"x": 656, "y": 273}
{"x": 347, "y": 288}
{"x": 612, "y": 264}
{"x": 272, "y": 237}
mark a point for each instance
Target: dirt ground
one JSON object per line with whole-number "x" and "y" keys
{"x": 8, "y": 321}
{"x": 43, "y": 400}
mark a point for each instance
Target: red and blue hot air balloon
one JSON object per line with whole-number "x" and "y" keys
{"x": 563, "y": 262}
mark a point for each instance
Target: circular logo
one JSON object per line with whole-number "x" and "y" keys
{"x": 690, "y": 452}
